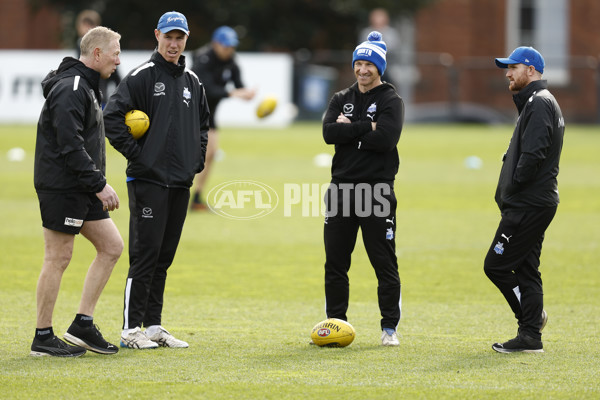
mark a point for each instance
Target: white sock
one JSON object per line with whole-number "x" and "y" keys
{"x": 127, "y": 331}
{"x": 153, "y": 329}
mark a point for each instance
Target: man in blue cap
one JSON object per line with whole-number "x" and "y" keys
{"x": 527, "y": 195}
{"x": 217, "y": 68}
{"x": 160, "y": 171}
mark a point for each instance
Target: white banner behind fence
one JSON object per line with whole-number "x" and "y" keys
{"x": 21, "y": 72}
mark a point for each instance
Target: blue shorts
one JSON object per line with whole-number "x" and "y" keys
{"x": 66, "y": 212}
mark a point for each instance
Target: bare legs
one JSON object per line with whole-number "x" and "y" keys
{"x": 58, "y": 250}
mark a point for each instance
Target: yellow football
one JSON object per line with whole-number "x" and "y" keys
{"x": 266, "y": 106}
{"x": 333, "y": 332}
{"x": 137, "y": 123}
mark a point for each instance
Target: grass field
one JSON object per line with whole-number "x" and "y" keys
{"x": 245, "y": 294}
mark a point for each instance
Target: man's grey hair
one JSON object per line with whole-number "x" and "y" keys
{"x": 98, "y": 37}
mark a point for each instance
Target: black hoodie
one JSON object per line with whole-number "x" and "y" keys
{"x": 361, "y": 153}
{"x": 70, "y": 149}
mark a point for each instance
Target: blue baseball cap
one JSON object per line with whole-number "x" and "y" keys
{"x": 523, "y": 55}
{"x": 226, "y": 35}
{"x": 173, "y": 20}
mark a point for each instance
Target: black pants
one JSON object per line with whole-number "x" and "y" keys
{"x": 349, "y": 209}
{"x": 156, "y": 220}
{"x": 513, "y": 260}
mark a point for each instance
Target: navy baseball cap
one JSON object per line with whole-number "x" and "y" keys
{"x": 523, "y": 55}
{"x": 173, "y": 20}
{"x": 226, "y": 35}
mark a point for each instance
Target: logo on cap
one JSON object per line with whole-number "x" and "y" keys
{"x": 173, "y": 20}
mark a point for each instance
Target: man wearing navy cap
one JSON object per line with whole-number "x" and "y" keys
{"x": 527, "y": 195}
{"x": 217, "y": 68}
{"x": 160, "y": 171}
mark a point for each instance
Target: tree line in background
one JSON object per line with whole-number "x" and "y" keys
{"x": 263, "y": 25}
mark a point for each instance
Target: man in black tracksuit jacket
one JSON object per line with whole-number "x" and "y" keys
{"x": 74, "y": 197}
{"x": 161, "y": 168}
{"x": 217, "y": 68}
{"x": 364, "y": 123}
{"x": 527, "y": 196}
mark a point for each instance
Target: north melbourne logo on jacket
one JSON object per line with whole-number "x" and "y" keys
{"x": 187, "y": 96}
{"x": 371, "y": 111}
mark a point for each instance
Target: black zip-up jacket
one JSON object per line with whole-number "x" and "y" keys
{"x": 215, "y": 74}
{"x": 361, "y": 153}
{"x": 530, "y": 165}
{"x": 70, "y": 151}
{"x": 173, "y": 149}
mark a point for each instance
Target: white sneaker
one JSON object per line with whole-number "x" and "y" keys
{"x": 136, "y": 339}
{"x": 162, "y": 337}
{"x": 389, "y": 340}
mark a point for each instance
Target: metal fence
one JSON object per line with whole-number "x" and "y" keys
{"x": 438, "y": 87}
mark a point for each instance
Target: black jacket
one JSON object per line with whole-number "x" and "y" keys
{"x": 530, "y": 165}
{"x": 173, "y": 149}
{"x": 70, "y": 151}
{"x": 363, "y": 154}
{"x": 215, "y": 74}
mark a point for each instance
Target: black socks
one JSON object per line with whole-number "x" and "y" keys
{"x": 84, "y": 321}
{"x": 44, "y": 333}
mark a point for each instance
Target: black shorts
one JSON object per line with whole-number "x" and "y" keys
{"x": 66, "y": 212}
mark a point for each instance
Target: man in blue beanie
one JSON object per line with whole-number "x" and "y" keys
{"x": 527, "y": 195}
{"x": 364, "y": 123}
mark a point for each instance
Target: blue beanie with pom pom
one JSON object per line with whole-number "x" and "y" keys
{"x": 373, "y": 50}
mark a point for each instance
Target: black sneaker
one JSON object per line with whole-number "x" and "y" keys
{"x": 54, "y": 347}
{"x": 89, "y": 338}
{"x": 522, "y": 343}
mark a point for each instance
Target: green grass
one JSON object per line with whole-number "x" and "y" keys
{"x": 245, "y": 294}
